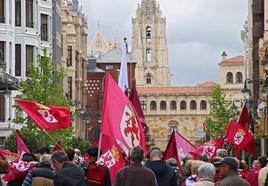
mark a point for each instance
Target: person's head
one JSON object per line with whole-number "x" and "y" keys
{"x": 58, "y": 159}
{"x": 77, "y": 152}
{"x": 45, "y": 159}
{"x": 215, "y": 159}
{"x": 226, "y": 165}
{"x": 255, "y": 164}
{"x": 92, "y": 154}
{"x": 243, "y": 165}
{"x": 136, "y": 155}
{"x": 185, "y": 159}
{"x": 222, "y": 153}
{"x": 206, "y": 170}
{"x": 43, "y": 150}
{"x": 155, "y": 154}
{"x": 203, "y": 157}
{"x": 70, "y": 153}
{"x": 262, "y": 161}
{"x": 172, "y": 162}
{"x": 194, "y": 165}
{"x": 28, "y": 157}
{"x": 3, "y": 167}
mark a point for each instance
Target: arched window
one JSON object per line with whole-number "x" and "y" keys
{"x": 153, "y": 105}
{"x": 229, "y": 77}
{"x": 148, "y": 34}
{"x": 193, "y": 105}
{"x": 239, "y": 77}
{"x": 173, "y": 105}
{"x": 148, "y": 55}
{"x": 163, "y": 105}
{"x": 183, "y": 105}
{"x": 203, "y": 105}
{"x": 149, "y": 79}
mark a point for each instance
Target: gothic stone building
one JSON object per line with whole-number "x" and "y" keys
{"x": 166, "y": 108}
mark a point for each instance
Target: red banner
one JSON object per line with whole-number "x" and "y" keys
{"x": 49, "y": 117}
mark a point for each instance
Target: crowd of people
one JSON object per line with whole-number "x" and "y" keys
{"x": 69, "y": 168}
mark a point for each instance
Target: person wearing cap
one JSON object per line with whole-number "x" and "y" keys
{"x": 228, "y": 169}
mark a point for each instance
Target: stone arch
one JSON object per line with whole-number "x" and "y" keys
{"x": 229, "y": 77}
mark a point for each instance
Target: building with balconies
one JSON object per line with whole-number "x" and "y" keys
{"x": 25, "y": 30}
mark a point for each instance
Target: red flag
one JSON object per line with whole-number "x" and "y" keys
{"x": 209, "y": 148}
{"x": 7, "y": 155}
{"x": 17, "y": 170}
{"x": 251, "y": 148}
{"x": 244, "y": 119}
{"x": 238, "y": 136}
{"x": 135, "y": 100}
{"x": 49, "y": 117}
{"x": 119, "y": 120}
{"x": 178, "y": 147}
{"x": 112, "y": 156}
{"x": 58, "y": 147}
{"x": 22, "y": 148}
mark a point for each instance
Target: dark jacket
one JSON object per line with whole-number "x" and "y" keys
{"x": 43, "y": 170}
{"x": 43, "y": 173}
{"x": 135, "y": 175}
{"x": 232, "y": 179}
{"x": 70, "y": 175}
{"x": 165, "y": 175}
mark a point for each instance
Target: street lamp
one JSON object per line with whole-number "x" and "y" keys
{"x": 246, "y": 91}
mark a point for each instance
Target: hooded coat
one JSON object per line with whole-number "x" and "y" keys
{"x": 165, "y": 175}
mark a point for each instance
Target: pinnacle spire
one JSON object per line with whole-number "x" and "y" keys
{"x": 148, "y": 7}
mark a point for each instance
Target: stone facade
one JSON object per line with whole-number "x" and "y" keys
{"x": 232, "y": 76}
{"x": 74, "y": 60}
{"x": 182, "y": 109}
{"x": 149, "y": 45}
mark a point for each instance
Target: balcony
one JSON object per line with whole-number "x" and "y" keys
{"x": 29, "y": 24}
{"x": 5, "y": 126}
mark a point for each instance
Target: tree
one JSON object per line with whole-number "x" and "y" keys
{"x": 220, "y": 113}
{"x": 44, "y": 85}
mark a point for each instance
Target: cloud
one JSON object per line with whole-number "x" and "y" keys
{"x": 197, "y": 30}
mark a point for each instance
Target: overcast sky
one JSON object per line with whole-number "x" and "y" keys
{"x": 197, "y": 31}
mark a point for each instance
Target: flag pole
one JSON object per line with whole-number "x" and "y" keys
{"x": 53, "y": 140}
{"x": 99, "y": 148}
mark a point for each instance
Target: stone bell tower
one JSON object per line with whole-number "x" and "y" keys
{"x": 149, "y": 45}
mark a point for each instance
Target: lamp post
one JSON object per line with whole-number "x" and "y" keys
{"x": 247, "y": 94}
{"x": 263, "y": 140}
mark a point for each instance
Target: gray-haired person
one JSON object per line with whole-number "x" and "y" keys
{"x": 43, "y": 173}
{"x": 206, "y": 173}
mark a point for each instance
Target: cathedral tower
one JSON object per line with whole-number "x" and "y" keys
{"x": 149, "y": 45}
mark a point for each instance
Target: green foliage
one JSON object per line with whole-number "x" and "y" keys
{"x": 80, "y": 143}
{"x": 44, "y": 86}
{"x": 220, "y": 113}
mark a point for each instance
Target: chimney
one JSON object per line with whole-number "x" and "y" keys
{"x": 224, "y": 56}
